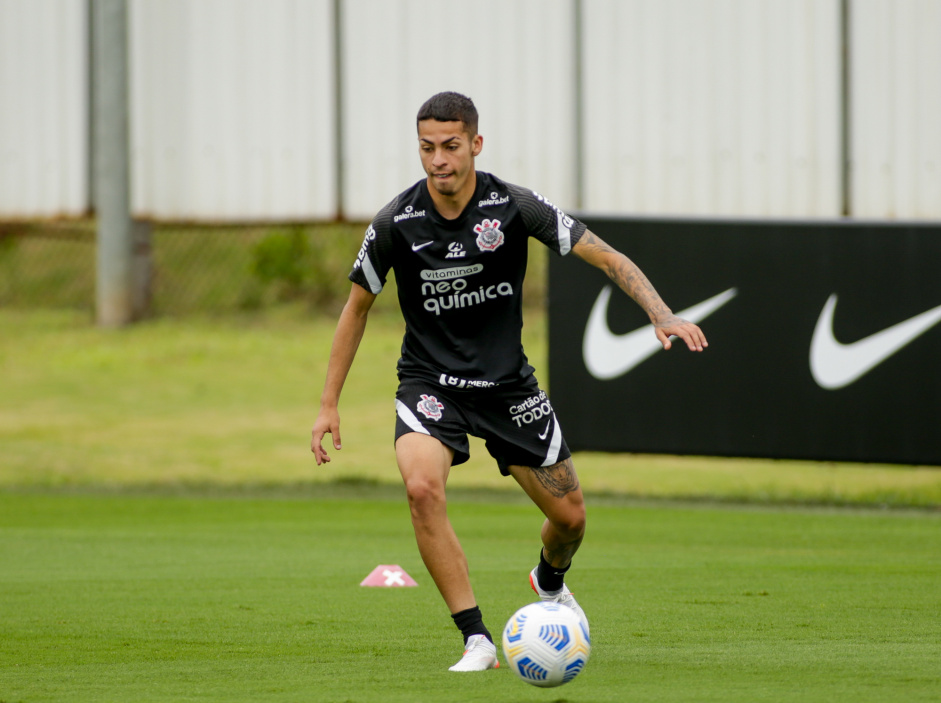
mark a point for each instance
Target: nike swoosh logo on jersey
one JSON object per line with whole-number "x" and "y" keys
{"x": 835, "y": 365}
{"x": 608, "y": 355}
{"x": 416, "y": 246}
{"x": 546, "y": 433}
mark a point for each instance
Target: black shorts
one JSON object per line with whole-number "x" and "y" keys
{"x": 516, "y": 421}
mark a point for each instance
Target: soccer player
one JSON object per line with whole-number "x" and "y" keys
{"x": 457, "y": 242}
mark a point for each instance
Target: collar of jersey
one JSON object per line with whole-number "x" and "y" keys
{"x": 483, "y": 179}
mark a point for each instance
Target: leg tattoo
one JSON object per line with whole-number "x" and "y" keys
{"x": 559, "y": 479}
{"x": 560, "y": 555}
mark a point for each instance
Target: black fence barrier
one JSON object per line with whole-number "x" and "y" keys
{"x": 824, "y": 342}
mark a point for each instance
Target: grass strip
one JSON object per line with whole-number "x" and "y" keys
{"x": 177, "y": 404}
{"x": 160, "y": 598}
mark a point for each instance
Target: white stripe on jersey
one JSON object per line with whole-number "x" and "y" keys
{"x": 565, "y": 234}
{"x": 552, "y": 456}
{"x": 375, "y": 285}
{"x": 408, "y": 417}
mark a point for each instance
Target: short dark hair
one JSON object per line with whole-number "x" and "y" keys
{"x": 450, "y": 107}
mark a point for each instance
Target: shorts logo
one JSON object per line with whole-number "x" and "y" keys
{"x": 430, "y": 407}
{"x": 489, "y": 236}
{"x": 456, "y": 382}
{"x": 531, "y": 410}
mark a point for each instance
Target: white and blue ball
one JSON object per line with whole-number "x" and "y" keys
{"x": 546, "y": 644}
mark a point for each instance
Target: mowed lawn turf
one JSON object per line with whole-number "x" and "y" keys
{"x": 177, "y": 403}
{"x": 224, "y": 598}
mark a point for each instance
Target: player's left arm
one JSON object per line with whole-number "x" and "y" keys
{"x": 629, "y": 278}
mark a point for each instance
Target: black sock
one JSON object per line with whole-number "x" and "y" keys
{"x": 550, "y": 577}
{"x": 471, "y": 622}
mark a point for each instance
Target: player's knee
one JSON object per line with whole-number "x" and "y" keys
{"x": 424, "y": 497}
{"x": 570, "y": 523}
{"x": 574, "y": 527}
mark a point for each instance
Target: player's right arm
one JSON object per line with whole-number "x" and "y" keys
{"x": 346, "y": 341}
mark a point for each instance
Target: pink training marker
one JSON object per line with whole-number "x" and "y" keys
{"x": 389, "y": 575}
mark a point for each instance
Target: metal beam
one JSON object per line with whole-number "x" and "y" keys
{"x": 846, "y": 144}
{"x": 338, "y": 112}
{"x": 579, "y": 100}
{"x": 115, "y": 243}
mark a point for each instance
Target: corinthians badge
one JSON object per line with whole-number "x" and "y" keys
{"x": 489, "y": 236}
{"x": 430, "y": 407}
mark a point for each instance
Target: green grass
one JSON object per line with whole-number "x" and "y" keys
{"x": 52, "y": 263}
{"x": 166, "y": 536}
{"x": 150, "y": 598}
{"x": 230, "y": 402}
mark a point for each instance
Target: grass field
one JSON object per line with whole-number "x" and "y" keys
{"x": 166, "y": 536}
{"x": 144, "y": 598}
{"x": 230, "y": 401}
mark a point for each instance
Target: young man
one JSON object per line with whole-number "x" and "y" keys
{"x": 457, "y": 242}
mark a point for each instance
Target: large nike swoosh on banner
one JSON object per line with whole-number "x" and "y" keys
{"x": 608, "y": 355}
{"x": 835, "y": 365}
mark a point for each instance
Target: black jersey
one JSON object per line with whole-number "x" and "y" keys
{"x": 460, "y": 281}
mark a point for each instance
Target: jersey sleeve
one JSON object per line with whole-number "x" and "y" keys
{"x": 375, "y": 256}
{"x": 546, "y": 222}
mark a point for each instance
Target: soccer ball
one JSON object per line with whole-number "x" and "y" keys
{"x": 546, "y": 644}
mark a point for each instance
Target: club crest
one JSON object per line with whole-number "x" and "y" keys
{"x": 489, "y": 236}
{"x": 430, "y": 407}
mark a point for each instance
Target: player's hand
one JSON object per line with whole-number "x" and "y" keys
{"x": 684, "y": 329}
{"x": 327, "y": 422}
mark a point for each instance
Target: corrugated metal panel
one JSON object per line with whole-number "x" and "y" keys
{"x": 896, "y": 115}
{"x": 232, "y": 109}
{"x": 514, "y": 59}
{"x": 712, "y": 107}
{"x": 43, "y": 108}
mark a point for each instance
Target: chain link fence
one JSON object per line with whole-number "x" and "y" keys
{"x": 202, "y": 269}
{"x": 195, "y": 268}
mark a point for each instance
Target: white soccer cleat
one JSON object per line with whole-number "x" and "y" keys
{"x": 563, "y": 597}
{"x": 480, "y": 654}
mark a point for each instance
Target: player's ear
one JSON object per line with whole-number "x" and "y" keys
{"x": 476, "y": 145}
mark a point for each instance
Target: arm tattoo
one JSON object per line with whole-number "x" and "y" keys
{"x": 559, "y": 479}
{"x": 592, "y": 241}
{"x": 628, "y": 277}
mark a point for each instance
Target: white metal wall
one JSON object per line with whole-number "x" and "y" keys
{"x": 896, "y": 109}
{"x": 514, "y": 59}
{"x": 231, "y": 109}
{"x": 724, "y": 107}
{"x": 692, "y": 107}
{"x": 43, "y": 108}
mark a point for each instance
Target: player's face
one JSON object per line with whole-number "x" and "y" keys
{"x": 447, "y": 154}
